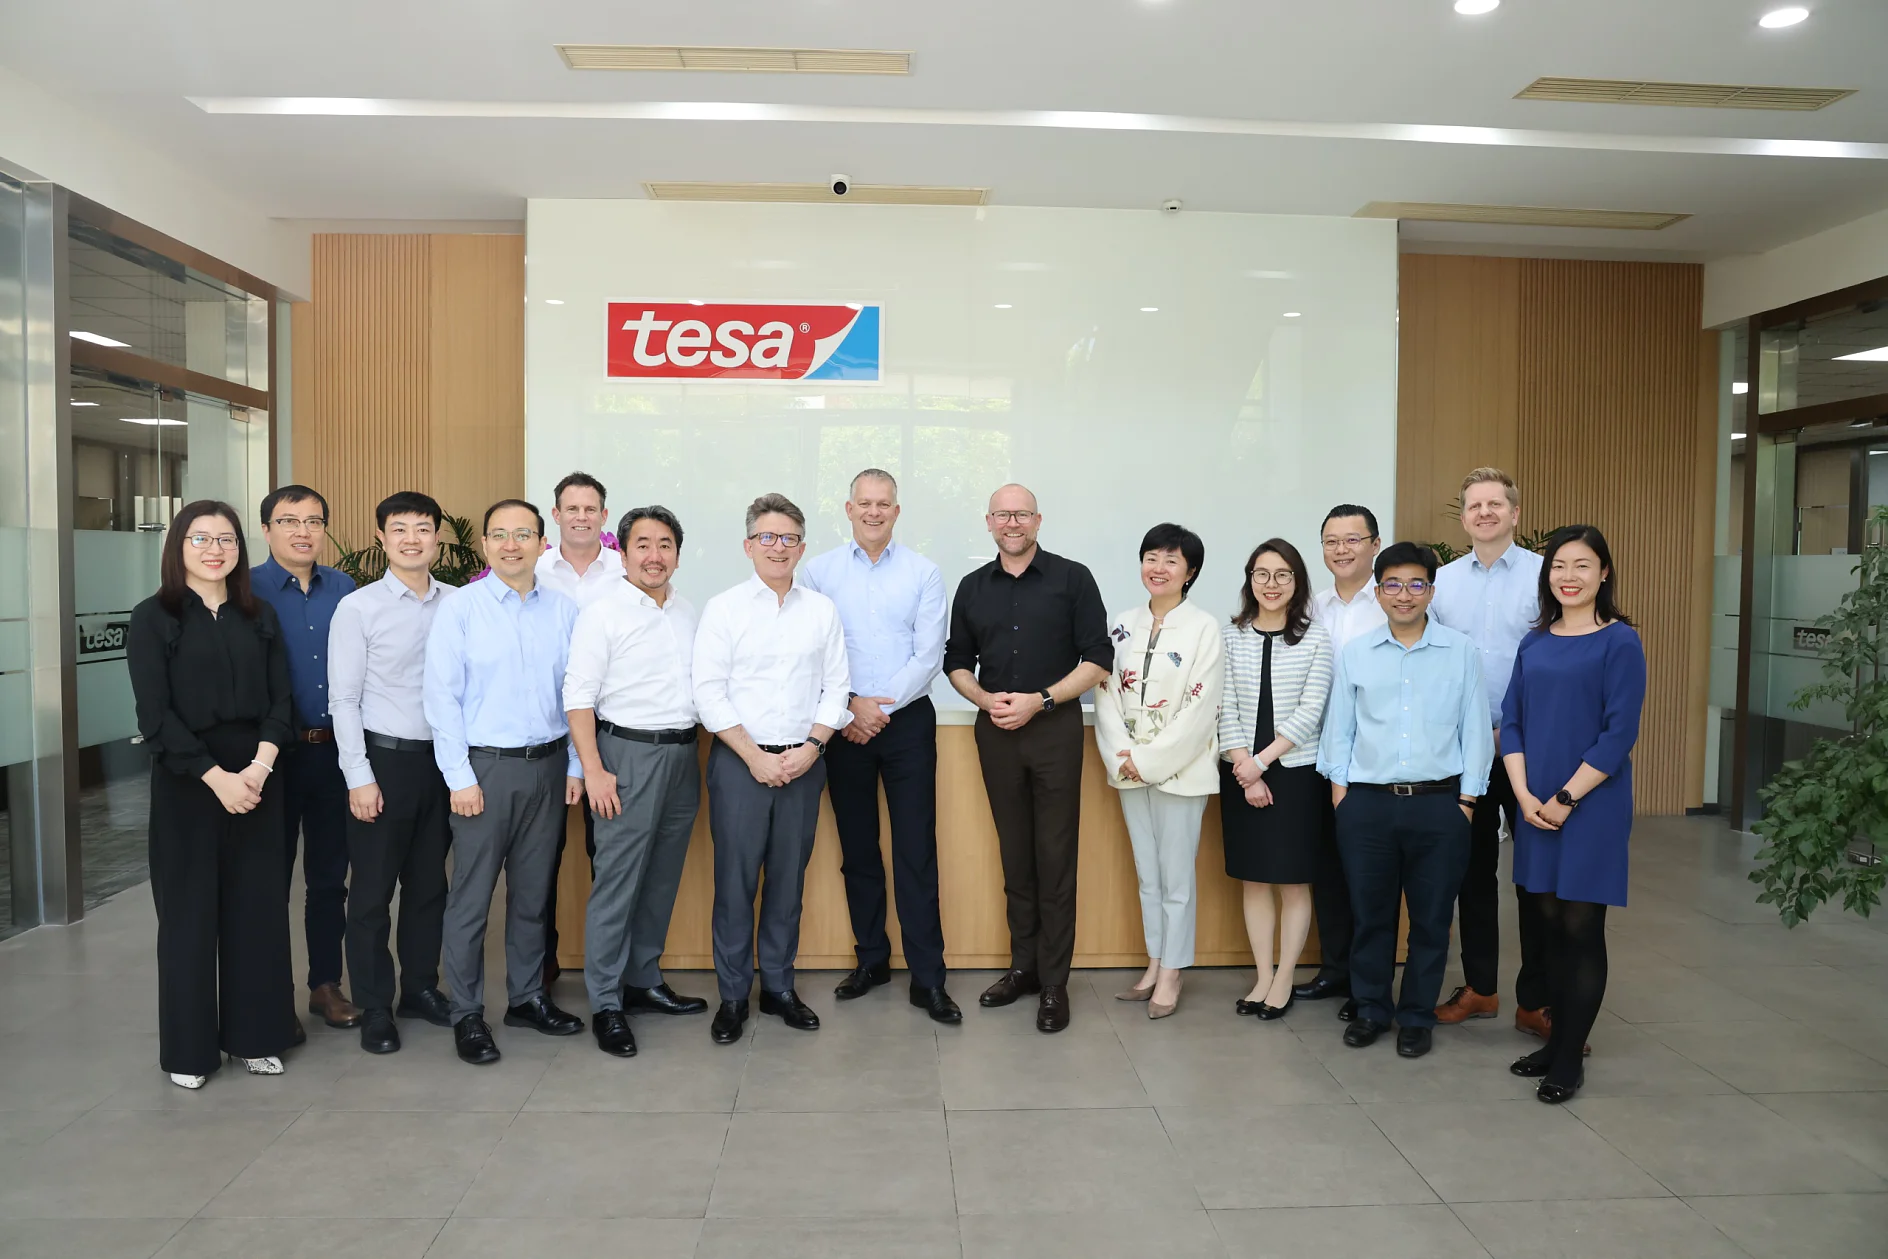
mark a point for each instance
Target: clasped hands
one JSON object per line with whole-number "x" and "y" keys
{"x": 239, "y": 792}
{"x": 1547, "y": 815}
{"x": 777, "y": 769}
{"x": 1011, "y": 710}
{"x": 1249, "y": 773}
{"x": 868, "y": 717}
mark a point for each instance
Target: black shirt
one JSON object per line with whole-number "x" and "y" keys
{"x": 1027, "y": 633}
{"x": 195, "y": 670}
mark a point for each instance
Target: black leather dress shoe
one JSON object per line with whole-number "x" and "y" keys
{"x": 1269, "y": 1012}
{"x": 662, "y": 999}
{"x": 1320, "y": 988}
{"x": 1347, "y": 1011}
{"x": 540, "y": 1012}
{"x": 794, "y": 1012}
{"x": 937, "y": 1003}
{"x": 378, "y": 1033}
{"x": 472, "y": 1037}
{"x": 862, "y": 980}
{"x": 1363, "y": 1032}
{"x": 1052, "y": 1008}
{"x": 1005, "y": 991}
{"x": 611, "y": 1028}
{"x": 1555, "y": 1094}
{"x": 729, "y": 1020}
{"x": 427, "y": 1003}
{"x": 1413, "y": 1042}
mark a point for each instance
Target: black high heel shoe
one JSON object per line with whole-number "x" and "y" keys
{"x": 1554, "y": 1094}
{"x": 1269, "y": 1012}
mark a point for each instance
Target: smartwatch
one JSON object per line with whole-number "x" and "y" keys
{"x": 1048, "y": 702}
{"x": 1563, "y": 796}
{"x": 817, "y": 744}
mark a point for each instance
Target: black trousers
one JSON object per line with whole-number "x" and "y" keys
{"x": 557, "y": 869}
{"x": 904, "y": 756}
{"x": 314, "y": 809}
{"x": 1033, "y": 777}
{"x": 405, "y": 846}
{"x": 1401, "y": 848}
{"x": 223, "y": 981}
{"x": 1330, "y": 901}
{"x": 1478, "y": 905}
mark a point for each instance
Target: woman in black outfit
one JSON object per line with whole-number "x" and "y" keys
{"x": 210, "y": 676}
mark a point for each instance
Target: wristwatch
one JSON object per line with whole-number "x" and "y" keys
{"x": 1563, "y": 796}
{"x": 817, "y": 744}
{"x": 1048, "y": 702}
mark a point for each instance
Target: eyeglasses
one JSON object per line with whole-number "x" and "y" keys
{"x": 1265, "y": 577}
{"x": 1350, "y": 542}
{"x": 1012, "y": 517}
{"x": 314, "y": 524}
{"x": 788, "y": 540}
{"x": 204, "y": 541}
{"x": 1394, "y": 587}
{"x": 523, "y": 537}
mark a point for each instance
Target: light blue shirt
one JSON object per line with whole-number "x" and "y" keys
{"x": 894, "y": 613}
{"x": 1401, "y": 715}
{"x": 495, "y": 674}
{"x": 1495, "y": 605}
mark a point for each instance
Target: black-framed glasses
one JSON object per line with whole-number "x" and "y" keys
{"x": 1265, "y": 577}
{"x": 204, "y": 541}
{"x": 314, "y": 524}
{"x": 788, "y": 540}
{"x": 1012, "y": 517}
{"x": 1393, "y": 587}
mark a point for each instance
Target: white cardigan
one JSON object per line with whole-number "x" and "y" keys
{"x": 1163, "y": 704}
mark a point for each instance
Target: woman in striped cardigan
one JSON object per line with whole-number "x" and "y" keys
{"x": 1278, "y": 675}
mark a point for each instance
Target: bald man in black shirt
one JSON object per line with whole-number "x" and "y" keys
{"x": 1029, "y": 635}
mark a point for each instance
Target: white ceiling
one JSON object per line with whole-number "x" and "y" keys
{"x": 134, "y": 64}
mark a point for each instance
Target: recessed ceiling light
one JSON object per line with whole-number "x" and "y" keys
{"x": 1740, "y": 386}
{"x": 1003, "y": 305}
{"x": 1148, "y": 310}
{"x": 77, "y": 403}
{"x": 1474, "y": 8}
{"x": 553, "y": 301}
{"x": 1737, "y": 437}
{"x": 95, "y": 339}
{"x": 1877, "y": 355}
{"x": 1776, "y": 19}
{"x": 153, "y": 421}
{"x": 1294, "y": 314}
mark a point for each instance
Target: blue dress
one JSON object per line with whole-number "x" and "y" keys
{"x": 1574, "y": 699}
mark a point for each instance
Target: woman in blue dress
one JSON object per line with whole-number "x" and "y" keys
{"x": 1568, "y": 725}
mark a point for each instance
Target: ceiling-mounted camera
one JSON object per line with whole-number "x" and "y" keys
{"x": 842, "y": 184}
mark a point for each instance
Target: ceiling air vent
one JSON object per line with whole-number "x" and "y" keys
{"x": 1519, "y": 215}
{"x": 737, "y": 60}
{"x": 862, "y": 194}
{"x": 1688, "y": 95}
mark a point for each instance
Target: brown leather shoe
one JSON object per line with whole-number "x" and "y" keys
{"x": 1052, "y": 1008}
{"x": 1541, "y": 1023}
{"x": 334, "y": 1009}
{"x": 1005, "y": 991}
{"x": 1464, "y": 1004}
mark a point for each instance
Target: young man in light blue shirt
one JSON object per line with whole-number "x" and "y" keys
{"x": 1406, "y": 747}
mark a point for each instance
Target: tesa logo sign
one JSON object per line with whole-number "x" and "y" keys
{"x": 745, "y": 341}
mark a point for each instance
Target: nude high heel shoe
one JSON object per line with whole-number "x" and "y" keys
{"x": 1155, "y": 1010}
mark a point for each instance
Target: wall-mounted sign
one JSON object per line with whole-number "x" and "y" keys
{"x": 746, "y": 341}
{"x": 101, "y": 638}
{"x": 1809, "y": 638}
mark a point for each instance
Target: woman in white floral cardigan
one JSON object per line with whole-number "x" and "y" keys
{"x": 1156, "y": 723}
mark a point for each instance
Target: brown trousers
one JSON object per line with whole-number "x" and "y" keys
{"x": 1033, "y": 777}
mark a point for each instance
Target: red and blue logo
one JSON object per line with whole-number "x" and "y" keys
{"x": 746, "y": 341}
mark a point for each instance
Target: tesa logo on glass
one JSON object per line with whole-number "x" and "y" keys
{"x": 745, "y": 341}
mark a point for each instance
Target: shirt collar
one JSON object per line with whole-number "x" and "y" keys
{"x": 756, "y": 587}
{"x": 401, "y": 590}
{"x": 603, "y": 557}
{"x": 1034, "y": 565}
{"x": 1431, "y": 638}
{"x": 281, "y": 578}
{"x": 1504, "y": 560}
{"x": 495, "y": 586}
{"x": 1368, "y": 588}
{"x": 859, "y": 551}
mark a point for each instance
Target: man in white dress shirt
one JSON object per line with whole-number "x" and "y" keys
{"x": 583, "y": 570}
{"x": 891, "y": 602}
{"x": 631, "y": 702}
{"x": 771, "y": 686}
{"x": 1350, "y": 608}
{"x": 400, "y": 818}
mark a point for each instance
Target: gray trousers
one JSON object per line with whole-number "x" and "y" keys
{"x": 517, "y": 833}
{"x": 638, "y": 864}
{"x": 758, "y": 829}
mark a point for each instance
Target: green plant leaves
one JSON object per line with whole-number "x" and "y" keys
{"x": 458, "y": 558}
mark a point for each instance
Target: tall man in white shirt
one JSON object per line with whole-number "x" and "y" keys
{"x": 400, "y": 817}
{"x": 771, "y": 685}
{"x": 1350, "y": 608}
{"x": 891, "y": 602}
{"x": 1492, "y": 594}
{"x": 631, "y": 702}
{"x": 583, "y": 570}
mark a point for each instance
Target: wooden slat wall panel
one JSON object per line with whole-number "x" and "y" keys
{"x": 476, "y": 424}
{"x": 1609, "y": 435}
{"x": 1703, "y": 542}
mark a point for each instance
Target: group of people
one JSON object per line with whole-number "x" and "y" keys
{"x": 1351, "y": 737}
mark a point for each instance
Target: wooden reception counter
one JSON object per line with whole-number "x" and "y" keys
{"x": 970, "y": 882}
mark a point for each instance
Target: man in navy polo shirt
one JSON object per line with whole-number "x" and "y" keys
{"x": 304, "y": 594}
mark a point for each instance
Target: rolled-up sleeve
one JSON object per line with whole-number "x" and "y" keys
{"x": 835, "y": 675}
{"x": 714, "y": 658}
{"x": 443, "y": 694}
{"x": 960, "y": 645}
{"x": 589, "y": 658}
{"x": 1090, "y": 621}
{"x": 347, "y": 677}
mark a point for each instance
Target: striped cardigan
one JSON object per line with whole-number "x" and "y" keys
{"x": 1301, "y": 682}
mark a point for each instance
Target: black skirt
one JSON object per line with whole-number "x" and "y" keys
{"x": 1279, "y": 843}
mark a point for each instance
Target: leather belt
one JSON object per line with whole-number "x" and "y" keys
{"x": 391, "y": 744}
{"x": 1434, "y": 786}
{"x": 536, "y": 752}
{"x": 778, "y": 748}
{"x": 646, "y": 736}
{"x": 318, "y": 734}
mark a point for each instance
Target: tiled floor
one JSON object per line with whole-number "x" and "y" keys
{"x": 1737, "y": 1104}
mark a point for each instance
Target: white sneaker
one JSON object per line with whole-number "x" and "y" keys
{"x": 262, "y": 1066}
{"x": 189, "y": 1081}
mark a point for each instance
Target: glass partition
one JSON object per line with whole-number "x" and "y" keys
{"x": 16, "y": 690}
{"x": 1839, "y": 356}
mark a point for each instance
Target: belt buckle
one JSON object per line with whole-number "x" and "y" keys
{"x": 1402, "y": 789}
{"x": 533, "y": 754}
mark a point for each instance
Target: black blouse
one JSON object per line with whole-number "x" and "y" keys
{"x": 1027, "y": 633}
{"x": 197, "y": 670}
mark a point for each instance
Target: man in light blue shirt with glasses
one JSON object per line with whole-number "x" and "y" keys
{"x": 1406, "y": 746}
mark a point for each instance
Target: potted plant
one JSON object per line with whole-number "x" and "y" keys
{"x": 1815, "y": 809}
{"x": 457, "y": 564}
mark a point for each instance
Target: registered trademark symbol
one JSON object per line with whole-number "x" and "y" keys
{"x": 806, "y": 327}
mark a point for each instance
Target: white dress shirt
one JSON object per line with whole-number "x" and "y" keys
{"x": 604, "y": 574}
{"x": 376, "y": 667}
{"x": 1495, "y": 605}
{"x": 1345, "y": 621}
{"x": 776, "y": 668}
{"x": 894, "y": 613}
{"x": 630, "y": 660}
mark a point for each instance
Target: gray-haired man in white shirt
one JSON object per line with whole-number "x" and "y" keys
{"x": 771, "y": 683}
{"x": 630, "y": 698}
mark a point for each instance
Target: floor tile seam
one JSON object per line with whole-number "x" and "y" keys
{"x": 721, "y": 1157}
{"x": 433, "y": 1242}
{"x": 1173, "y": 1148}
{"x": 1649, "y": 1174}
{"x": 490, "y": 1154}
{"x": 1800, "y": 1193}
{"x": 253, "y": 1160}
{"x": 1391, "y": 1142}
{"x": 1468, "y": 1228}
